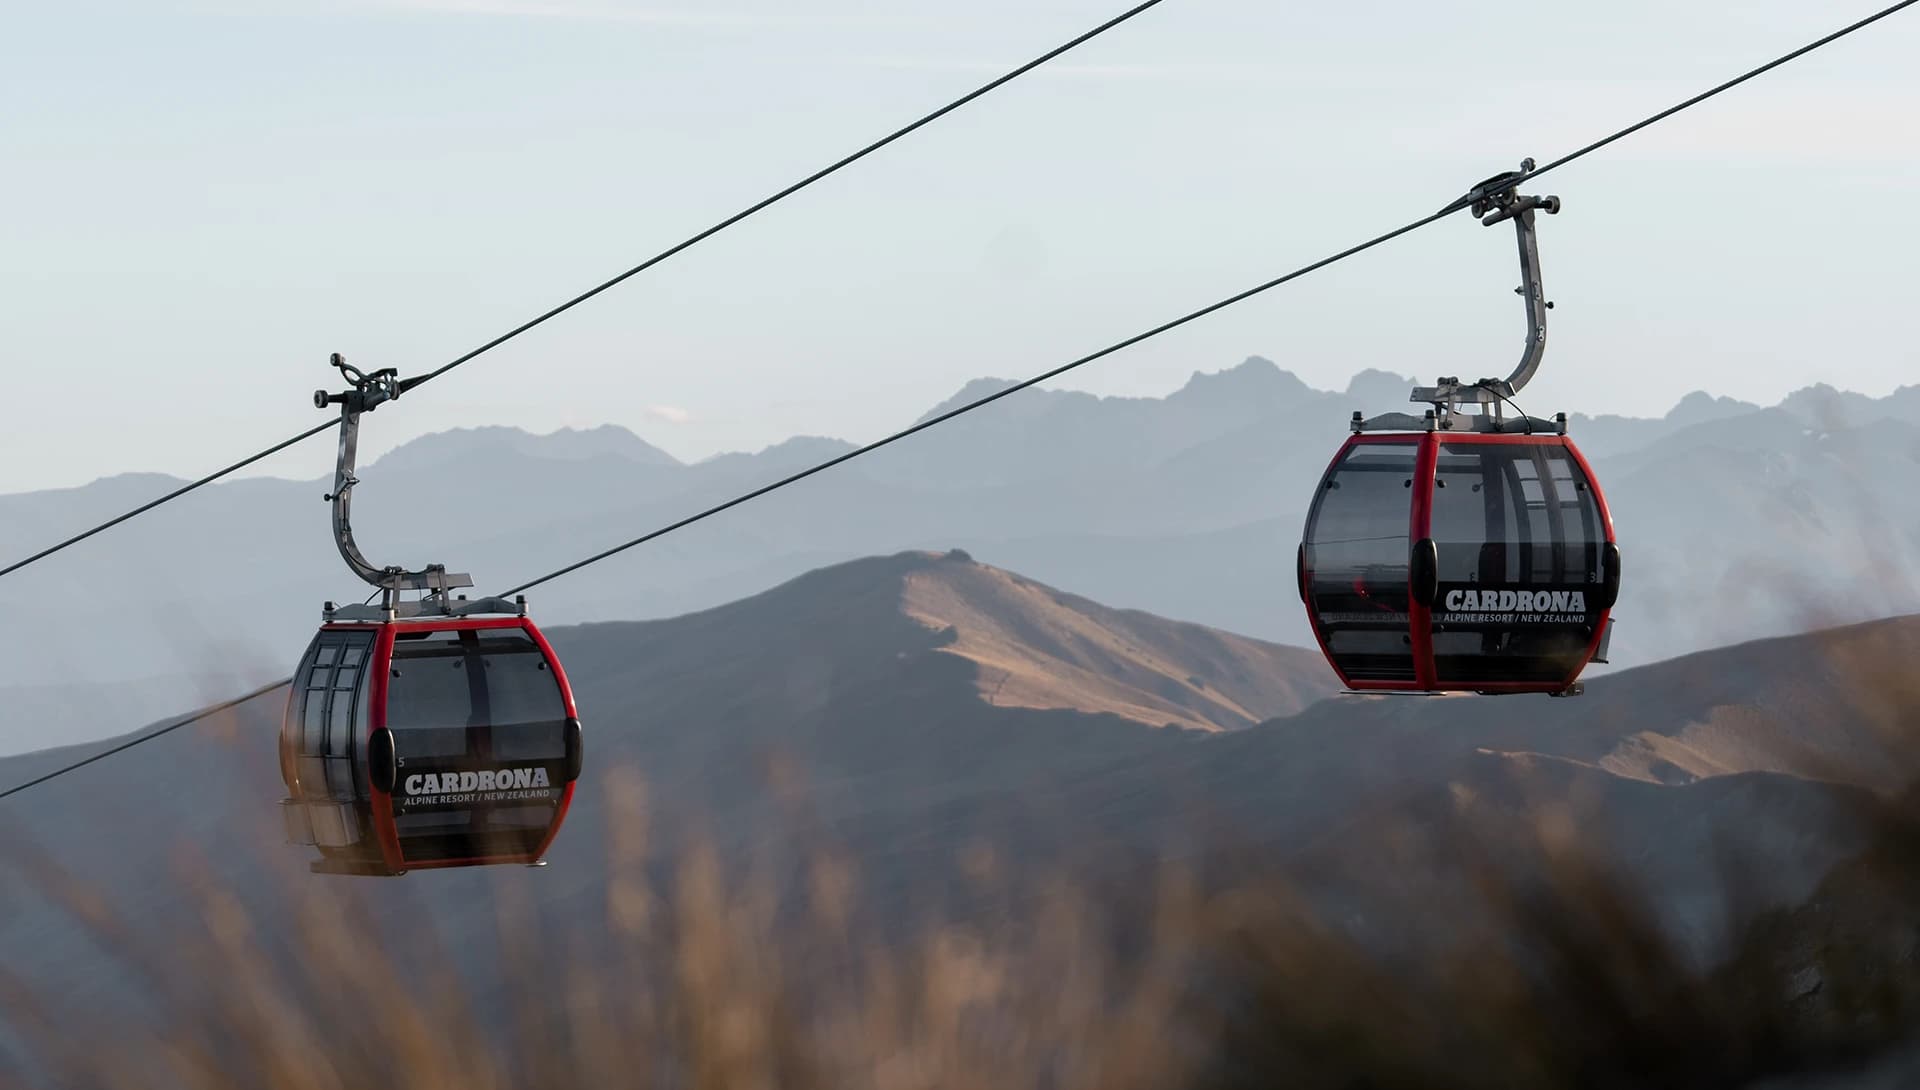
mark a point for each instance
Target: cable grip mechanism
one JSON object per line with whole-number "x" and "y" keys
{"x": 369, "y": 389}
{"x": 1496, "y": 200}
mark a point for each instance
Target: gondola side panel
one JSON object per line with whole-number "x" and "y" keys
{"x": 1606, "y": 523}
{"x": 1305, "y": 575}
{"x": 573, "y": 714}
{"x": 385, "y": 830}
{"x": 1354, "y": 562}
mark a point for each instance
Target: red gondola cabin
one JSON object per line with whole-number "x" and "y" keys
{"x": 1475, "y": 562}
{"x": 430, "y": 742}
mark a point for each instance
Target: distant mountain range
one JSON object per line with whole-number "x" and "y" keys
{"x": 922, "y": 702}
{"x": 1737, "y": 521}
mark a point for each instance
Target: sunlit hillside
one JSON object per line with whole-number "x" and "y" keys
{"x": 816, "y": 849}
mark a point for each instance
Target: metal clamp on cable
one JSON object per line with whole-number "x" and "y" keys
{"x": 1496, "y": 195}
{"x": 370, "y": 389}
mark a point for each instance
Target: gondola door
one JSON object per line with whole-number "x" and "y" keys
{"x": 1353, "y": 562}
{"x": 1521, "y": 543}
{"x": 484, "y": 745}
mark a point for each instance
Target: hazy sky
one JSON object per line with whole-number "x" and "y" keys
{"x": 205, "y": 199}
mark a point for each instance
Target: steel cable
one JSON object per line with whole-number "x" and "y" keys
{"x": 694, "y": 240}
{"x": 972, "y": 405}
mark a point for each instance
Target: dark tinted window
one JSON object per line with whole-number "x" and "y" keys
{"x": 1581, "y": 532}
{"x": 1357, "y": 552}
{"x": 430, "y": 685}
{"x": 471, "y": 679}
{"x": 327, "y": 714}
{"x": 1515, "y": 515}
{"x": 526, "y": 707}
{"x": 1518, "y": 533}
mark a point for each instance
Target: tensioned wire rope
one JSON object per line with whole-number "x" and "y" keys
{"x": 203, "y": 713}
{"x": 679, "y": 247}
{"x": 961, "y": 410}
{"x": 1195, "y": 315}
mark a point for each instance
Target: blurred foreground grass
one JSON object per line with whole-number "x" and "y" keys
{"x": 702, "y": 974}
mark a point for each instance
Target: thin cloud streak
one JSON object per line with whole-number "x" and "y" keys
{"x": 1202, "y": 72}
{"x": 561, "y": 10}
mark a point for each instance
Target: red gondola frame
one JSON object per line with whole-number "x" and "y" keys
{"x": 1419, "y": 528}
{"x": 379, "y": 668}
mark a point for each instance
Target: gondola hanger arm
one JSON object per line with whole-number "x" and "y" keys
{"x": 1494, "y": 201}
{"x": 368, "y": 391}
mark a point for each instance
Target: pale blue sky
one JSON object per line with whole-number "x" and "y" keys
{"x": 205, "y": 199}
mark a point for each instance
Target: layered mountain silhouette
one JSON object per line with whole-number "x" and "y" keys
{"x": 1737, "y": 521}
{"x": 919, "y": 703}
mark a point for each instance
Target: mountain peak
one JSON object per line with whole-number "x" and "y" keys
{"x": 801, "y": 450}
{"x": 1699, "y": 407}
{"x": 1037, "y": 647}
{"x": 1828, "y": 407}
{"x": 1026, "y": 644}
{"x": 1381, "y": 388}
{"x": 1255, "y": 379}
{"x": 562, "y": 445}
{"x": 974, "y": 390}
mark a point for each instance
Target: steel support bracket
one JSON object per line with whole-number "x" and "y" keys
{"x": 1493, "y": 201}
{"x": 368, "y": 391}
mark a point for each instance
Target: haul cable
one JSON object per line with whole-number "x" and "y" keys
{"x": 989, "y": 399}
{"x": 1203, "y": 311}
{"x": 686, "y": 244}
{"x": 204, "y": 713}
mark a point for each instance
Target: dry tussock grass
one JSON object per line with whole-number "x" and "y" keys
{"x": 703, "y": 971}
